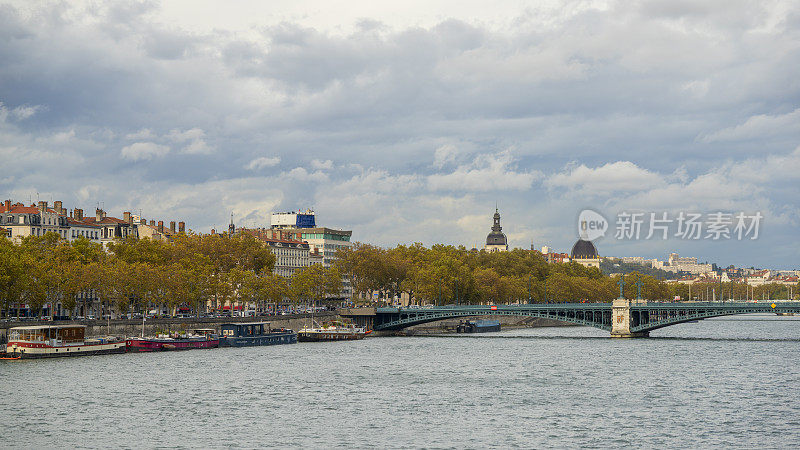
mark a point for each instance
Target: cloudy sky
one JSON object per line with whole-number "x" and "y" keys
{"x": 410, "y": 122}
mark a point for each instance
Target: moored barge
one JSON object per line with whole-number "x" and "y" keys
{"x": 164, "y": 342}
{"x": 50, "y": 341}
{"x": 332, "y": 332}
{"x": 254, "y": 334}
{"x": 478, "y": 326}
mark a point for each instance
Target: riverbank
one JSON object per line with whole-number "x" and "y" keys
{"x": 133, "y": 327}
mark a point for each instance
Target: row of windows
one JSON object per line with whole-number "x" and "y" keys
{"x": 332, "y": 248}
{"x": 42, "y": 232}
{"x": 283, "y": 251}
{"x": 328, "y": 236}
{"x": 35, "y": 220}
{"x": 86, "y": 234}
{"x": 288, "y": 261}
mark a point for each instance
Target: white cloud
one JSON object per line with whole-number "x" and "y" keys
{"x": 444, "y": 154}
{"x": 59, "y": 138}
{"x": 758, "y": 127}
{"x": 23, "y": 112}
{"x": 263, "y": 162}
{"x": 144, "y": 151}
{"x": 489, "y": 172}
{"x": 301, "y": 174}
{"x": 319, "y": 164}
{"x": 606, "y": 179}
{"x": 774, "y": 168}
{"x": 198, "y": 147}
{"x": 176, "y": 135}
{"x": 145, "y": 134}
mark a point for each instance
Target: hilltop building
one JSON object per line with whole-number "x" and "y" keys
{"x": 496, "y": 240}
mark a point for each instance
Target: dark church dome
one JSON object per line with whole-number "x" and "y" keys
{"x": 583, "y": 250}
{"x": 496, "y": 237}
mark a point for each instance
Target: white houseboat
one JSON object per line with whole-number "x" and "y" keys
{"x": 47, "y": 341}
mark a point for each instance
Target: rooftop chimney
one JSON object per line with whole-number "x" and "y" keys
{"x": 42, "y": 205}
{"x": 126, "y": 216}
{"x": 78, "y": 214}
{"x": 161, "y": 226}
{"x": 172, "y": 226}
{"x": 8, "y": 205}
{"x": 181, "y": 227}
{"x": 57, "y": 206}
{"x": 99, "y": 214}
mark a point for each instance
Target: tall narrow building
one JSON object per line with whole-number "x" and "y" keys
{"x": 496, "y": 240}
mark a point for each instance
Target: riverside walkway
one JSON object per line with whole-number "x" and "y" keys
{"x": 621, "y": 318}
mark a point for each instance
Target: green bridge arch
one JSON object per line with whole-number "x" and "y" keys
{"x": 640, "y": 317}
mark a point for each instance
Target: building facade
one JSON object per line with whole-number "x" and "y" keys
{"x": 20, "y": 221}
{"x": 291, "y": 253}
{"x": 158, "y": 232}
{"x": 104, "y": 229}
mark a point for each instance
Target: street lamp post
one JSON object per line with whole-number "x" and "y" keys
{"x": 530, "y": 277}
{"x": 638, "y": 287}
{"x": 545, "y": 290}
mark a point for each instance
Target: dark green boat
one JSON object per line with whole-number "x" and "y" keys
{"x": 253, "y": 334}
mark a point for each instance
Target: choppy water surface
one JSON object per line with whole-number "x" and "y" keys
{"x": 717, "y": 383}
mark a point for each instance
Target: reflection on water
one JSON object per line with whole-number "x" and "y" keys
{"x": 722, "y": 383}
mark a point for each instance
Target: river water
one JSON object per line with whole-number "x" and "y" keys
{"x": 731, "y": 382}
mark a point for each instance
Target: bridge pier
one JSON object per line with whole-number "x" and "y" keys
{"x": 621, "y": 320}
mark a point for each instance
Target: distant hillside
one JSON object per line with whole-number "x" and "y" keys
{"x": 613, "y": 265}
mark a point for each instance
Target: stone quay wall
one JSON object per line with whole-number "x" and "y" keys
{"x": 133, "y": 327}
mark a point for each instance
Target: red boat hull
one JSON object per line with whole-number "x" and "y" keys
{"x": 157, "y": 345}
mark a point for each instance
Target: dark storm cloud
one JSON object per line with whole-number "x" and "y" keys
{"x": 407, "y": 133}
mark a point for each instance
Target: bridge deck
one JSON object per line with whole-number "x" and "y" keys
{"x": 645, "y": 316}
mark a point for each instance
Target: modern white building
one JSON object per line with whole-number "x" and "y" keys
{"x": 294, "y": 219}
